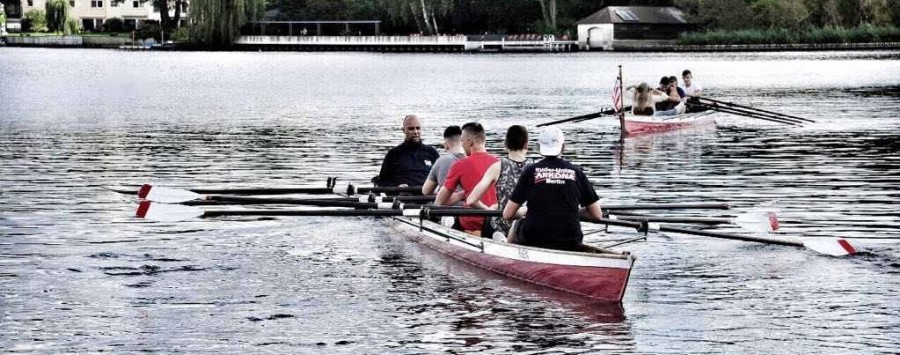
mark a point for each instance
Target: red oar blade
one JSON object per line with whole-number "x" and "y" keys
{"x": 166, "y": 194}
{"x": 161, "y": 212}
{"x": 831, "y": 246}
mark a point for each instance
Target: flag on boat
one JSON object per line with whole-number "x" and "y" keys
{"x": 617, "y": 95}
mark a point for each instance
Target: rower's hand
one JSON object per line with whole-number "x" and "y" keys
{"x": 522, "y": 211}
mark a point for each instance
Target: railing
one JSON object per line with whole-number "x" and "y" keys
{"x": 353, "y": 40}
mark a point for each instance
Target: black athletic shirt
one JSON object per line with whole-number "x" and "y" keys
{"x": 407, "y": 163}
{"x": 554, "y": 190}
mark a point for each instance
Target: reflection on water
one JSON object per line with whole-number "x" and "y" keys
{"x": 79, "y": 274}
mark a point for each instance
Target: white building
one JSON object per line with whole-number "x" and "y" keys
{"x": 93, "y": 13}
{"x": 630, "y": 24}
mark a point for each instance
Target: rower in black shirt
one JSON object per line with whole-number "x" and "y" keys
{"x": 554, "y": 189}
{"x": 409, "y": 163}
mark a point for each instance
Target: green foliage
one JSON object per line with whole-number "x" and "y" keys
{"x": 862, "y": 34}
{"x": 72, "y": 27}
{"x": 772, "y": 14}
{"x": 34, "y": 21}
{"x": 57, "y": 12}
{"x": 181, "y": 35}
{"x": 217, "y": 22}
{"x": 115, "y": 24}
{"x": 2, "y": 17}
{"x": 149, "y": 29}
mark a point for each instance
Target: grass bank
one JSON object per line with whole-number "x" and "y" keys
{"x": 861, "y": 34}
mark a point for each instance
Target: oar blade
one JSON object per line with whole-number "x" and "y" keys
{"x": 759, "y": 222}
{"x": 161, "y": 212}
{"x": 831, "y": 246}
{"x": 166, "y": 194}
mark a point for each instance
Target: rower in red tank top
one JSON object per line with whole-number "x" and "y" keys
{"x": 467, "y": 172}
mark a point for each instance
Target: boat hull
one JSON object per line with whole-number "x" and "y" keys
{"x": 600, "y": 275}
{"x": 635, "y": 125}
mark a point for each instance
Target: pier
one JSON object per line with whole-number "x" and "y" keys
{"x": 415, "y": 43}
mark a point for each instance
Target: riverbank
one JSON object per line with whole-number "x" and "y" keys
{"x": 436, "y": 44}
{"x": 67, "y": 41}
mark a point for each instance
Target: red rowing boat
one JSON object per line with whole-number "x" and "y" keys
{"x": 635, "y": 125}
{"x": 592, "y": 272}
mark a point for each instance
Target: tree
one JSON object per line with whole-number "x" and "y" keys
{"x": 217, "y": 22}
{"x": 719, "y": 14}
{"x": 773, "y": 14}
{"x": 57, "y": 12}
{"x": 548, "y": 9}
{"x": 875, "y": 12}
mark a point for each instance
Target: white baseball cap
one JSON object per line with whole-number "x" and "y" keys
{"x": 551, "y": 141}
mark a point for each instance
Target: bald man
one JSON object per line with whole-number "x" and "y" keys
{"x": 409, "y": 163}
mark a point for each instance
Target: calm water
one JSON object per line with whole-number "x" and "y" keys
{"x": 78, "y": 274}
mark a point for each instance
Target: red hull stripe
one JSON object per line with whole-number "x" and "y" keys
{"x": 846, "y": 245}
{"x": 142, "y": 208}
{"x": 145, "y": 189}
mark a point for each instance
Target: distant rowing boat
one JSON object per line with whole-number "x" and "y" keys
{"x": 634, "y": 125}
{"x": 593, "y": 272}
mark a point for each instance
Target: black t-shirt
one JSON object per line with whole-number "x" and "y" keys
{"x": 554, "y": 189}
{"x": 407, "y": 163}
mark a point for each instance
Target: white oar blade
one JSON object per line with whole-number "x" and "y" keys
{"x": 166, "y": 194}
{"x": 167, "y": 213}
{"x": 831, "y": 246}
{"x": 759, "y": 222}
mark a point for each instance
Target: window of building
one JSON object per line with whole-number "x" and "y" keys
{"x": 136, "y": 4}
{"x": 155, "y": 7}
{"x": 113, "y": 3}
{"x": 30, "y": 2}
{"x": 627, "y": 15}
{"x": 96, "y": 3}
{"x": 71, "y": 3}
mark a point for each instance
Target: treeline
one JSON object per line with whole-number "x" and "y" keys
{"x": 559, "y": 16}
{"x": 430, "y": 17}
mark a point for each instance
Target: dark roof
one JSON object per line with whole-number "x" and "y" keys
{"x": 636, "y": 14}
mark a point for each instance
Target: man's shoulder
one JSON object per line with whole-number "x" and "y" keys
{"x": 447, "y": 158}
{"x": 431, "y": 149}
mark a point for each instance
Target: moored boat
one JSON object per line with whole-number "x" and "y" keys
{"x": 592, "y": 272}
{"x": 648, "y": 124}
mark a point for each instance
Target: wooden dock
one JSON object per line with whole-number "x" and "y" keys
{"x": 456, "y": 43}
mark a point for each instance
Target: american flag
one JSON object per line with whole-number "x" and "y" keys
{"x": 617, "y": 95}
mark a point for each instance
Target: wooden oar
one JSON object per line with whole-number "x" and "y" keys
{"x": 357, "y": 202}
{"x": 738, "y": 112}
{"x": 173, "y": 213}
{"x": 583, "y": 117}
{"x": 829, "y": 246}
{"x": 668, "y": 206}
{"x": 755, "y": 113}
{"x": 170, "y": 195}
{"x": 755, "y": 109}
{"x": 757, "y": 221}
{"x": 173, "y": 195}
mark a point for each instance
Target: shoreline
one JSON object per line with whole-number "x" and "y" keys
{"x": 114, "y": 42}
